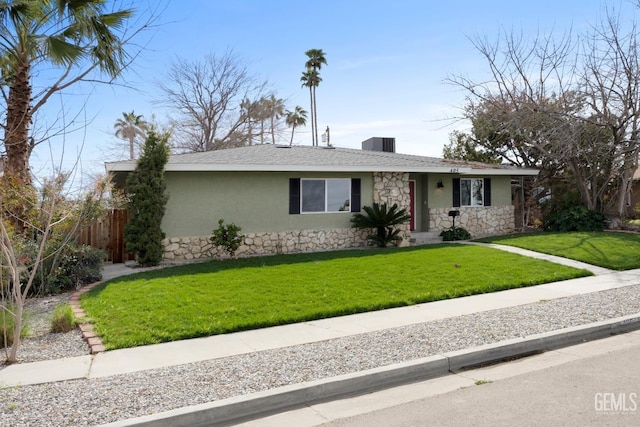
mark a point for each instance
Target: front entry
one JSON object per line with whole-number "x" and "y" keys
{"x": 412, "y": 205}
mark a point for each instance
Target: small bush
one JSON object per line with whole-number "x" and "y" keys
{"x": 576, "y": 218}
{"x": 78, "y": 266}
{"x": 228, "y": 237}
{"x": 452, "y": 234}
{"x": 382, "y": 219}
{"x": 63, "y": 319}
{"x": 74, "y": 267}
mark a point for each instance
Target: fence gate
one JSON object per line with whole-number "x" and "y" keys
{"x": 108, "y": 234}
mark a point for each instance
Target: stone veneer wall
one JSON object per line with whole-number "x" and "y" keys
{"x": 390, "y": 188}
{"x": 200, "y": 247}
{"x": 479, "y": 221}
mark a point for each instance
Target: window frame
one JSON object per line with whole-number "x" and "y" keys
{"x": 472, "y": 190}
{"x": 349, "y": 188}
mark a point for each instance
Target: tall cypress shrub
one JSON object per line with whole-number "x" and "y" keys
{"x": 145, "y": 188}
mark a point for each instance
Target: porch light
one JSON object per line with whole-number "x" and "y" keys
{"x": 440, "y": 184}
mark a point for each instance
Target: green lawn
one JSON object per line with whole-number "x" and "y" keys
{"x": 614, "y": 250}
{"x": 225, "y": 296}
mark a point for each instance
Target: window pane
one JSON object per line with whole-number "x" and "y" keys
{"x": 313, "y": 195}
{"x": 338, "y": 195}
{"x": 465, "y": 192}
{"x": 478, "y": 193}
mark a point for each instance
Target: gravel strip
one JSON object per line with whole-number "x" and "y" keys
{"x": 40, "y": 344}
{"x": 96, "y": 401}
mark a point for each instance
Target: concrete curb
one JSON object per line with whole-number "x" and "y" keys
{"x": 256, "y": 405}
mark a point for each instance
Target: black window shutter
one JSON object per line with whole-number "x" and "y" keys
{"x": 294, "y": 196}
{"x": 456, "y": 192}
{"x": 487, "y": 192}
{"x": 355, "y": 195}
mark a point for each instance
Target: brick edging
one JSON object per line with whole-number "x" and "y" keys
{"x": 88, "y": 334}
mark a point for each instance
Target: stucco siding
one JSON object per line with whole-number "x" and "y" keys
{"x": 255, "y": 201}
{"x": 439, "y": 197}
{"x": 443, "y": 197}
{"x": 501, "y": 191}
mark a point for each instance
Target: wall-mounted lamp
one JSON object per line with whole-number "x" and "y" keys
{"x": 440, "y": 184}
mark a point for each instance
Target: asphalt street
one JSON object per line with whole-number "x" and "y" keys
{"x": 591, "y": 384}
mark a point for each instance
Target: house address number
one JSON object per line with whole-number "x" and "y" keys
{"x": 454, "y": 170}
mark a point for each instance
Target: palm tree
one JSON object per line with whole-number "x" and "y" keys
{"x": 311, "y": 79}
{"x": 316, "y": 59}
{"x": 314, "y": 63}
{"x": 295, "y": 118}
{"x": 276, "y": 111}
{"x": 76, "y": 36}
{"x": 262, "y": 108}
{"x": 247, "y": 107}
{"x": 130, "y": 127}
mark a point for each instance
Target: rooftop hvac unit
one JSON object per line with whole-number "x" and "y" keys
{"x": 387, "y": 145}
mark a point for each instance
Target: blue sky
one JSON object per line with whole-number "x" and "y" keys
{"x": 387, "y": 62}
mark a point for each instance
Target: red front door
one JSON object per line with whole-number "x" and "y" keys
{"x": 412, "y": 204}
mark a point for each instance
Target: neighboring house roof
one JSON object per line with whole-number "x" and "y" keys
{"x": 285, "y": 158}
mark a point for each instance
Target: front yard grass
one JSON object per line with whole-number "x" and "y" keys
{"x": 608, "y": 249}
{"x": 225, "y": 296}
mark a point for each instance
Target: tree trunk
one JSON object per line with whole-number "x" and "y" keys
{"x": 315, "y": 118}
{"x": 313, "y": 140}
{"x": 582, "y": 184}
{"x": 16, "y": 135}
{"x": 273, "y": 132}
{"x": 629, "y": 166}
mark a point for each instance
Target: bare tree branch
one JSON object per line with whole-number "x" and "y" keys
{"x": 207, "y": 99}
{"x": 566, "y": 104}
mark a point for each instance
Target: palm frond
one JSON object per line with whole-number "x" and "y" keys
{"x": 62, "y": 52}
{"x": 382, "y": 219}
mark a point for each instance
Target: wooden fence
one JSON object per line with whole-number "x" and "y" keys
{"x": 108, "y": 234}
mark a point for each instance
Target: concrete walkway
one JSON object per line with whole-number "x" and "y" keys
{"x": 194, "y": 350}
{"x": 556, "y": 259}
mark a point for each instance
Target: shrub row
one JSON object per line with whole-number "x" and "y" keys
{"x": 576, "y": 218}
{"x": 75, "y": 266}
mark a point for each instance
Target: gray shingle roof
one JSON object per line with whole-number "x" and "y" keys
{"x": 270, "y": 157}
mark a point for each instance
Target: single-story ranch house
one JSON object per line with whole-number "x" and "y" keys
{"x": 301, "y": 198}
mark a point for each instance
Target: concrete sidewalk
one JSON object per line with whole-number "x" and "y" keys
{"x": 194, "y": 350}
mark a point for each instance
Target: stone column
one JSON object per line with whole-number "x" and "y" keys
{"x": 390, "y": 188}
